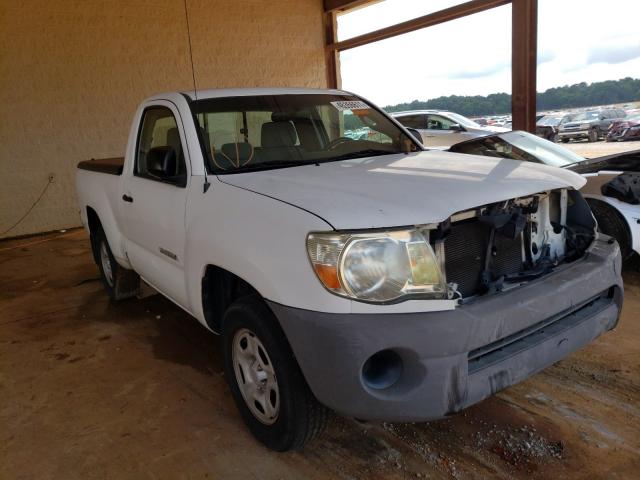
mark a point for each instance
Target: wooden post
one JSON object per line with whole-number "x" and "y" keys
{"x": 332, "y": 56}
{"x": 524, "y": 54}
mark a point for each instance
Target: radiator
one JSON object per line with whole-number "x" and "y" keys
{"x": 465, "y": 250}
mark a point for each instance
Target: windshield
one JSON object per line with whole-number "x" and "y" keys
{"x": 464, "y": 121}
{"x": 251, "y": 133}
{"x": 519, "y": 146}
{"x": 582, "y": 116}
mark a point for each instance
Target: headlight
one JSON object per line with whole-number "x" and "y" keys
{"x": 377, "y": 266}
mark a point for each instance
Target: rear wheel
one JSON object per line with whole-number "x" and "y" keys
{"x": 119, "y": 282}
{"x": 611, "y": 222}
{"x": 267, "y": 385}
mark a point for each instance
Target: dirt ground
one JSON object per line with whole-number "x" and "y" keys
{"x": 600, "y": 149}
{"x": 134, "y": 390}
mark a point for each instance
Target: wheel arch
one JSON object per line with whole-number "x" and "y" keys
{"x": 220, "y": 288}
{"x": 603, "y": 203}
{"x": 93, "y": 224}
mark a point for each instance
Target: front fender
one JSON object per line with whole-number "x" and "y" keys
{"x": 259, "y": 239}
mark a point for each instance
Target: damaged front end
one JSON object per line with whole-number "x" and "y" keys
{"x": 503, "y": 245}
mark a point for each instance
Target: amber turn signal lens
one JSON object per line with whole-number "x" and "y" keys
{"x": 328, "y": 274}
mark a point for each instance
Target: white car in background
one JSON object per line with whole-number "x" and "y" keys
{"x": 440, "y": 128}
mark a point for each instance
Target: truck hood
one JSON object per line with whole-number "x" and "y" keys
{"x": 399, "y": 189}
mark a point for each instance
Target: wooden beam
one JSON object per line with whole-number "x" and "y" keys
{"x": 458, "y": 11}
{"x": 342, "y": 5}
{"x": 332, "y": 57}
{"x": 524, "y": 54}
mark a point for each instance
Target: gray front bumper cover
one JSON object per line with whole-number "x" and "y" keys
{"x": 449, "y": 359}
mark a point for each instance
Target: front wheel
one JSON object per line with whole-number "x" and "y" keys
{"x": 267, "y": 385}
{"x": 565, "y": 140}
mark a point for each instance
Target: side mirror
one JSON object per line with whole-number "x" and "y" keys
{"x": 162, "y": 162}
{"x": 456, "y": 127}
{"x": 415, "y": 133}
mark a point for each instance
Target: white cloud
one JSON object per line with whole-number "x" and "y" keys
{"x": 578, "y": 41}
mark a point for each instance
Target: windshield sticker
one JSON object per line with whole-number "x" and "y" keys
{"x": 350, "y": 105}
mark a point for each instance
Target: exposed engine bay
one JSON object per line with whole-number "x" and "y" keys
{"x": 499, "y": 246}
{"x": 613, "y": 181}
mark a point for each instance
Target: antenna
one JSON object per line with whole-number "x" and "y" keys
{"x": 193, "y": 72}
{"x": 195, "y": 86}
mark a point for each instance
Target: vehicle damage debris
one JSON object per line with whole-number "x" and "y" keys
{"x": 515, "y": 241}
{"x": 612, "y": 181}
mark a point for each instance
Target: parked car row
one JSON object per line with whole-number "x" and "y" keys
{"x": 591, "y": 125}
{"x": 610, "y": 124}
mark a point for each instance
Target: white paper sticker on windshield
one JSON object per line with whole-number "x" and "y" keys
{"x": 350, "y": 105}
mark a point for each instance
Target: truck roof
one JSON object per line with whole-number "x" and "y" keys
{"x": 242, "y": 92}
{"x": 417, "y": 112}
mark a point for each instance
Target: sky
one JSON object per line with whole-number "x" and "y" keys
{"x": 578, "y": 41}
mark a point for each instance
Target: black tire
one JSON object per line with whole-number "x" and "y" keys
{"x": 565, "y": 140}
{"x": 119, "y": 282}
{"x": 593, "y": 135}
{"x": 300, "y": 417}
{"x": 611, "y": 223}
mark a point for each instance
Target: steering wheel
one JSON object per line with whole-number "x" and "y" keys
{"x": 337, "y": 141}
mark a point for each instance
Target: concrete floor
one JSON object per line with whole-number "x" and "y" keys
{"x": 92, "y": 389}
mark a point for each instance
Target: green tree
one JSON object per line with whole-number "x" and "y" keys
{"x": 568, "y": 96}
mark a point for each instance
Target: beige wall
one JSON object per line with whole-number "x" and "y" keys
{"x": 73, "y": 71}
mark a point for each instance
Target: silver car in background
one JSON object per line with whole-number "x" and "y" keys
{"x": 440, "y": 128}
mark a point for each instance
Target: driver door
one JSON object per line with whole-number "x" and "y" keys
{"x": 154, "y": 208}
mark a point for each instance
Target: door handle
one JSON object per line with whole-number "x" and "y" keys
{"x": 127, "y": 198}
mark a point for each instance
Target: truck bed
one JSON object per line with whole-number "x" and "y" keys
{"x": 112, "y": 166}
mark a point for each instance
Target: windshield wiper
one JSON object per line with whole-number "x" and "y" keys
{"x": 370, "y": 152}
{"x": 273, "y": 164}
{"x": 268, "y": 165}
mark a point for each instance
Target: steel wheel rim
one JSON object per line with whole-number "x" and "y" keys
{"x": 255, "y": 376}
{"x": 106, "y": 264}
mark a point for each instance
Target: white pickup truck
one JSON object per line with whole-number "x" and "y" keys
{"x": 342, "y": 264}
